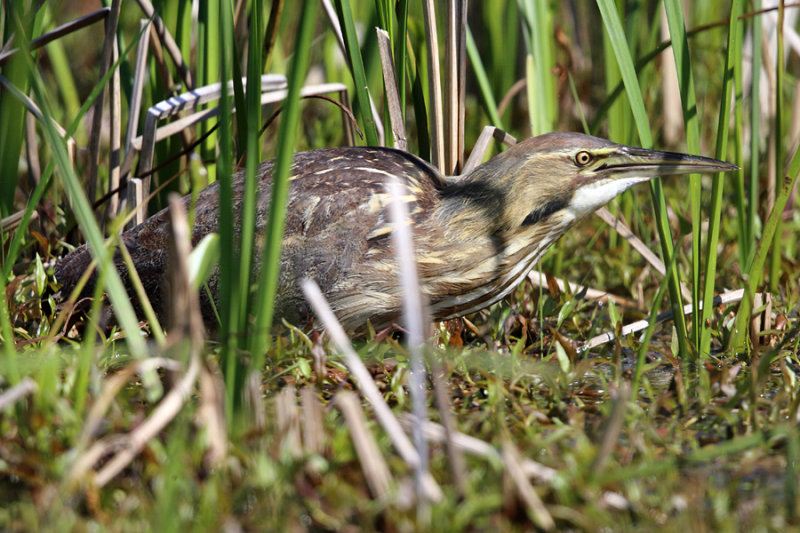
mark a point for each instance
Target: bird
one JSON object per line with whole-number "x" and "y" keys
{"x": 476, "y": 236}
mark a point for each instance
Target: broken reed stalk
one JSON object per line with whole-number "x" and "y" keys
{"x": 376, "y": 472}
{"x": 413, "y": 318}
{"x": 392, "y": 92}
{"x": 364, "y": 381}
{"x": 477, "y": 447}
{"x": 313, "y": 435}
{"x": 534, "y": 506}
{"x": 288, "y": 421}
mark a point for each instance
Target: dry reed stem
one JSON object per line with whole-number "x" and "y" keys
{"x": 13, "y": 221}
{"x": 392, "y": 93}
{"x": 112, "y": 387}
{"x": 313, "y": 434}
{"x": 333, "y": 19}
{"x": 458, "y": 466}
{"x": 534, "y": 277}
{"x": 613, "y": 427}
{"x": 376, "y": 472}
{"x": 211, "y": 415}
{"x": 761, "y": 321}
{"x": 414, "y": 316}
{"x": 166, "y": 411}
{"x": 25, "y": 387}
{"x": 454, "y": 84}
{"x": 189, "y": 325}
{"x": 254, "y": 400}
{"x": 139, "y": 72}
{"x": 288, "y": 421}
{"x": 634, "y": 327}
{"x": 169, "y": 43}
{"x": 364, "y": 381}
{"x": 115, "y": 155}
{"x": 61, "y": 31}
{"x": 474, "y": 446}
{"x": 624, "y": 231}
{"x": 97, "y": 114}
{"x": 534, "y": 506}
{"x": 31, "y": 154}
{"x": 482, "y": 144}
{"x": 434, "y": 86}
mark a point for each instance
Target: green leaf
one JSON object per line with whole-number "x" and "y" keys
{"x": 304, "y": 367}
{"x": 613, "y": 314}
{"x": 563, "y": 358}
{"x": 203, "y": 259}
{"x": 566, "y": 310}
{"x": 40, "y": 276}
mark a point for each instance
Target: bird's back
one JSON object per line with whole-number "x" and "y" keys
{"x": 337, "y": 233}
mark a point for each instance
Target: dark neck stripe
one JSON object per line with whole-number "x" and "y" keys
{"x": 544, "y": 211}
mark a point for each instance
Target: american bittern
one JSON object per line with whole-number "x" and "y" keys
{"x": 476, "y": 236}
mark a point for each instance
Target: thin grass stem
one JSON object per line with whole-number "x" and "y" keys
{"x": 718, "y": 181}
{"x": 356, "y": 63}
{"x": 780, "y": 67}
{"x": 617, "y": 38}
{"x": 287, "y": 134}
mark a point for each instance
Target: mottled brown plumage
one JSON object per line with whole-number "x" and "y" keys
{"x": 476, "y": 236}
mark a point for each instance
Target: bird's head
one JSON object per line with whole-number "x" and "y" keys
{"x": 565, "y": 177}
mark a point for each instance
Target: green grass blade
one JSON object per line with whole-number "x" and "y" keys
{"x": 777, "y": 243}
{"x": 400, "y": 52}
{"x": 287, "y": 135}
{"x": 385, "y": 20}
{"x": 356, "y": 63}
{"x": 88, "y": 348}
{"x": 714, "y": 219}
{"x": 483, "y": 81}
{"x": 683, "y": 64}
{"x": 253, "y": 159}
{"x": 619, "y": 127}
{"x": 651, "y": 322}
{"x": 541, "y": 60}
{"x": 12, "y": 110}
{"x": 619, "y": 44}
{"x": 418, "y": 96}
{"x": 619, "y": 116}
{"x": 230, "y": 290}
{"x": 743, "y": 221}
{"x": 755, "y": 147}
{"x": 64, "y": 79}
{"x": 738, "y": 339}
{"x": 10, "y": 368}
{"x": 242, "y": 115}
{"x": 707, "y": 453}
{"x": 208, "y": 53}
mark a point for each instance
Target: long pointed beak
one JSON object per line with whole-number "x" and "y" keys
{"x": 629, "y": 161}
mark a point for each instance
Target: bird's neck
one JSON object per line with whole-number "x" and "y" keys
{"x": 481, "y": 202}
{"x": 481, "y": 213}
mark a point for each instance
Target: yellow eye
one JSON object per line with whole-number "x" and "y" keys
{"x": 583, "y": 158}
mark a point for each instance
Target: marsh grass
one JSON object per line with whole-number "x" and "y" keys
{"x": 692, "y": 425}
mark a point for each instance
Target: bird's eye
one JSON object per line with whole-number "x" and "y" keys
{"x": 583, "y": 158}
